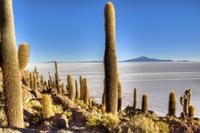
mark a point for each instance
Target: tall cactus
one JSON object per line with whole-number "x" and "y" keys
{"x": 23, "y": 55}
{"x": 57, "y": 78}
{"x": 119, "y": 87}
{"x": 77, "y": 90}
{"x": 172, "y": 104}
{"x": 86, "y": 92}
{"x": 144, "y": 103}
{"x": 135, "y": 99}
{"x": 110, "y": 59}
{"x": 81, "y": 87}
{"x": 70, "y": 86}
{"x": 9, "y": 64}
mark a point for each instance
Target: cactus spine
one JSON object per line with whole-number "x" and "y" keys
{"x": 119, "y": 86}
{"x": 77, "y": 90}
{"x": 10, "y": 69}
{"x": 47, "y": 106}
{"x": 135, "y": 99}
{"x": 172, "y": 104}
{"x": 110, "y": 59}
{"x": 70, "y": 86}
{"x": 144, "y": 103}
{"x": 191, "y": 111}
{"x": 23, "y": 56}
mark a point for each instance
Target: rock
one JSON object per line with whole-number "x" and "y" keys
{"x": 78, "y": 118}
{"x": 61, "y": 122}
{"x": 64, "y": 101}
{"x": 37, "y": 94}
{"x": 46, "y": 125}
{"x": 27, "y": 95}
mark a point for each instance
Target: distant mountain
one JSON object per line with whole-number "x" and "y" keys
{"x": 147, "y": 59}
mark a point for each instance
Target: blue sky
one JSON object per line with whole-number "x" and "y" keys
{"x": 73, "y": 30}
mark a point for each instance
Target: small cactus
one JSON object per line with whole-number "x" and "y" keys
{"x": 110, "y": 60}
{"x": 191, "y": 111}
{"x": 77, "y": 90}
{"x": 135, "y": 99}
{"x": 172, "y": 104}
{"x": 23, "y": 56}
{"x": 47, "y": 106}
{"x": 70, "y": 86}
{"x": 144, "y": 103}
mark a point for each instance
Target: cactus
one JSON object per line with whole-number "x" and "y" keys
{"x": 70, "y": 86}
{"x": 47, "y": 106}
{"x": 144, "y": 103}
{"x": 191, "y": 111}
{"x": 31, "y": 80}
{"x": 135, "y": 99}
{"x": 185, "y": 101}
{"x": 110, "y": 59}
{"x": 10, "y": 69}
{"x": 86, "y": 92}
{"x": 186, "y": 107}
{"x": 81, "y": 87}
{"x": 119, "y": 86}
{"x": 34, "y": 81}
{"x": 77, "y": 90}
{"x": 57, "y": 78}
{"x": 62, "y": 88}
{"x": 172, "y": 104}
{"x": 23, "y": 56}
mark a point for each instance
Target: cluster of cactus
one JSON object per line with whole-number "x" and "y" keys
{"x": 185, "y": 102}
{"x": 83, "y": 91}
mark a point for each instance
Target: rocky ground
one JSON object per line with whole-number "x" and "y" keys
{"x": 76, "y": 116}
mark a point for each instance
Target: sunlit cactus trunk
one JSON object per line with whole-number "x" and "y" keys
{"x": 10, "y": 66}
{"x": 110, "y": 60}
